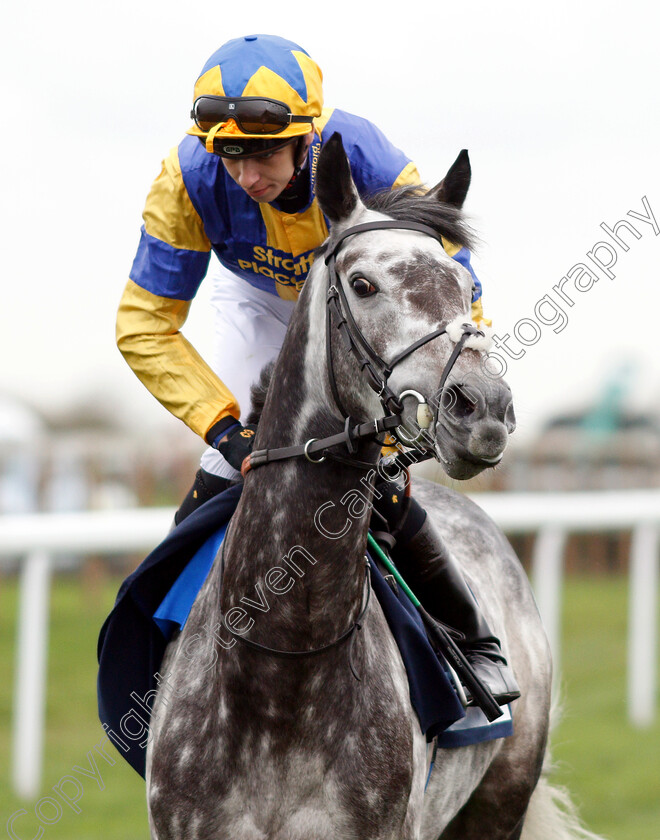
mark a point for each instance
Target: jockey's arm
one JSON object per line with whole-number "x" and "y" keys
{"x": 171, "y": 262}
{"x": 462, "y": 256}
{"x": 149, "y": 338}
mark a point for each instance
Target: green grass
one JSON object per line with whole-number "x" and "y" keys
{"x": 611, "y": 769}
{"x": 72, "y": 727}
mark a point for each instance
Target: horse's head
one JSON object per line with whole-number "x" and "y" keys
{"x": 395, "y": 286}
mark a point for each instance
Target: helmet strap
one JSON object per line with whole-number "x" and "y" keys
{"x": 300, "y": 158}
{"x": 299, "y": 161}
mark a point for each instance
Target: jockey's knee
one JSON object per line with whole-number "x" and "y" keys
{"x": 395, "y": 511}
{"x": 205, "y": 487}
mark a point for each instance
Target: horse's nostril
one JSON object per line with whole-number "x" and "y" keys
{"x": 459, "y": 402}
{"x": 510, "y": 419}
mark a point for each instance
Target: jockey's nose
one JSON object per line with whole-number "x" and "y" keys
{"x": 248, "y": 173}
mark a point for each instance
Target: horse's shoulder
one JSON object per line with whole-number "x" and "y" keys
{"x": 441, "y": 501}
{"x": 471, "y": 535}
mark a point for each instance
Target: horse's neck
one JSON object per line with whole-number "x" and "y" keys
{"x": 278, "y": 549}
{"x": 278, "y": 552}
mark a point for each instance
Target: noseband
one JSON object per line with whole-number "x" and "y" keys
{"x": 376, "y": 370}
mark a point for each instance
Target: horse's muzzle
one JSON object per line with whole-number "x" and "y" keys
{"x": 473, "y": 423}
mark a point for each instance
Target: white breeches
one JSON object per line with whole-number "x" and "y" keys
{"x": 249, "y": 328}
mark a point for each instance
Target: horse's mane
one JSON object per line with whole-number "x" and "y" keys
{"x": 410, "y": 204}
{"x": 258, "y": 392}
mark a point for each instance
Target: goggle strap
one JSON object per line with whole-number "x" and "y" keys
{"x": 211, "y": 136}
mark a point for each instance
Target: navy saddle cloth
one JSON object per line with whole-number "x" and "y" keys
{"x": 133, "y": 639}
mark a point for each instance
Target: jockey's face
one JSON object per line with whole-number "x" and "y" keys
{"x": 263, "y": 177}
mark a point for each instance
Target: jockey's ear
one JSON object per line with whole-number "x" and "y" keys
{"x": 335, "y": 190}
{"x": 455, "y": 185}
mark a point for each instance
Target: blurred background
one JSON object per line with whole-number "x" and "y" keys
{"x": 557, "y": 104}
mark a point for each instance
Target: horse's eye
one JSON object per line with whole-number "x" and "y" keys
{"x": 363, "y": 288}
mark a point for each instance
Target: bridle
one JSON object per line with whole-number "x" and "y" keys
{"x": 375, "y": 369}
{"x": 378, "y": 371}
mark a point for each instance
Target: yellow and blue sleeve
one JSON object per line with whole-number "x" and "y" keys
{"x": 149, "y": 338}
{"x": 174, "y": 251}
{"x": 408, "y": 176}
{"x": 171, "y": 262}
{"x": 462, "y": 256}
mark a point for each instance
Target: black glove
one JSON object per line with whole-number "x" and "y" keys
{"x": 395, "y": 512}
{"x": 238, "y": 444}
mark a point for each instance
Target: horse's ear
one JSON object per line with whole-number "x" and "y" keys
{"x": 455, "y": 185}
{"x": 335, "y": 190}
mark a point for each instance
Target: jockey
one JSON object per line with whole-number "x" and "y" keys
{"x": 241, "y": 185}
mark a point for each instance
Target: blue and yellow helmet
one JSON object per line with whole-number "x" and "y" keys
{"x": 259, "y": 67}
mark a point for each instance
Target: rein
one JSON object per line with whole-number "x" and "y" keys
{"x": 376, "y": 370}
{"x": 349, "y": 437}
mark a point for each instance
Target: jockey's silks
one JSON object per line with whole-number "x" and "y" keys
{"x": 193, "y": 208}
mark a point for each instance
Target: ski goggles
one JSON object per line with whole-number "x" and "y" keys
{"x": 252, "y": 114}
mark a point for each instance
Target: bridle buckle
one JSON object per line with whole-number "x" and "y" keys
{"x": 308, "y": 456}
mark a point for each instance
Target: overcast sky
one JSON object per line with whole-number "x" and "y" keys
{"x": 557, "y": 104}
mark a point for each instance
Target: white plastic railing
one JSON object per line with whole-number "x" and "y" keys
{"x": 38, "y": 538}
{"x": 552, "y": 516}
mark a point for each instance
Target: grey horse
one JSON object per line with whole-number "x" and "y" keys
{"x": 247, "y": 745}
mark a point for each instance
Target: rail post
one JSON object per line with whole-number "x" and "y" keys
{"x": 30, "y": 682}
{"x": 547, "y": 581}
{"x": 643, "y": 624}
